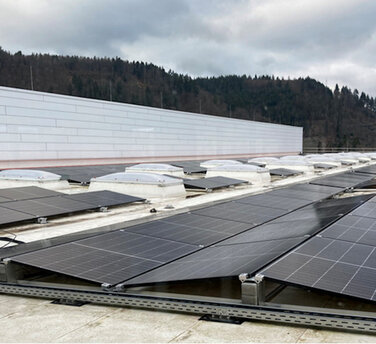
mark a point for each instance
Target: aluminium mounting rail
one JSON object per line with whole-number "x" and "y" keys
{"x": 315, "y": 317}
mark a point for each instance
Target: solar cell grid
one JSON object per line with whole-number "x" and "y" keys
{"x": 337, "y": 266}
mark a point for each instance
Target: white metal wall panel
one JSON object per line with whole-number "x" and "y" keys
{"x": 38, "y": 126}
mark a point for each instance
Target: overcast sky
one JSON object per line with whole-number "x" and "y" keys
{"x": 333, "y": 41}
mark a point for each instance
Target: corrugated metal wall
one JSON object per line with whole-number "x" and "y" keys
{"x": 36, "y": 125}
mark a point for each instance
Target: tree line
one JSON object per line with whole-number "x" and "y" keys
{"x": 338, "y": 118}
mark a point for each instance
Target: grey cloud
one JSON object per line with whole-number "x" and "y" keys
{"x": 323, "y": 39}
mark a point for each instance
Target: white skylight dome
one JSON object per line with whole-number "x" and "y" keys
{"x": 213, "y": 163}
{"x": 263, "y": 160}
{"x": 239, "y": 168}
{"x": 157, "y": 168}
{"x": 320, "y": 159}
{"x": 360, "y": 156}
{"x": 151, "y": 186}
{"x": 293, "y": 157}
{"x": 29, "y": 175}
{"x": 138, "y": 178}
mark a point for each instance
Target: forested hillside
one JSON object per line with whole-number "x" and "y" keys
{"x": 342, "y": 118}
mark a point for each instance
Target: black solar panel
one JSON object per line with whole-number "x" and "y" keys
{"x": 329, "y": 190}
{"x": 104, "y": 198}
{"x": 8, "y": 216}
{"x": 218, "y": 261}
{"x": 189, "y": 166}
{"x": 283, "y": 172}
{"x": 211, "y": 183}
{"x": 51, "y": 206}
{"x": 274, "y": 201}
{"x": 83, "y": 174}
{"x": 246, "y": 213}
{"x": 367, "y": 169}
{"x": 332, "y": 265}
{"x": 300, "y": 194}
{"x": 344, "y": 180}
{"x": 356, "y": 229}
{"x": 366, "y": 210}
{"x": 26, "y": 192}
{"x": 323, "y": 166}
{"x": 190, "y": 228}
{"x": 107, "y": 258}
{"x": 259, "y": 164}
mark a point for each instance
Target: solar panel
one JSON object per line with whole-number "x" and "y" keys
{"x": 246, "y": 213}
{"x": 273, "y": 201}
{"x": 107, "y": 258}
{"x": 104, "y": 198}
{"x": 83, "y": 174}
{"x": 343, "y": 180}
{"x": 8, "y": 216}
{"x": 211, "y": 183}
{"x": 300, "y": 194}
{"x": 332, "y": 265}
{"x": 218, "y": 261}
{"x": 283, "y": 172}
{"x": 323, "y": 166}
{"x": 44, "y": 207}
{"x": 190, "y": 228}
{"x": 330, "y": 190}
{"x": 367, "y": 169}
{"x": 356, "y": 229}
{"x": 27, "y": 192}
{"x": 189, "y": 166}
{"x": 366, "y": 210}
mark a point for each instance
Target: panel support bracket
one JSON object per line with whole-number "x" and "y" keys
{"x": 253, "y": 289}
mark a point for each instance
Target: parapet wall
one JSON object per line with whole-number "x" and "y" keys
{"x": 36, "y": 126}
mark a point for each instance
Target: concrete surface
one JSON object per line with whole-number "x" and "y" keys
{"x": 36, "y": 320}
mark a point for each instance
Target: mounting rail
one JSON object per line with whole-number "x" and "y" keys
{"x": 296, "y": 316}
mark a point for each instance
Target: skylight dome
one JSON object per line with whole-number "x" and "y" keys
{"x": 28, "y": 175}
{"x": 138, "y": 178}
